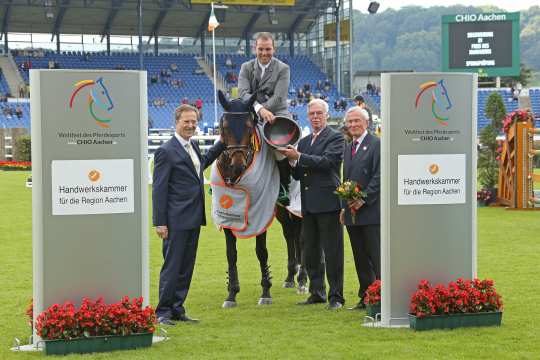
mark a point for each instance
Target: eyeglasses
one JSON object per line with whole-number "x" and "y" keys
{"x": 316, "y": 113}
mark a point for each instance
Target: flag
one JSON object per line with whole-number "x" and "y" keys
{"x": 212, "y": 21}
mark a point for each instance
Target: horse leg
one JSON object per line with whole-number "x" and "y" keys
{"x": 233, "y": 285}
{"x": 299, "y": 246}
{"x": 266, "y": 279}
{"x": 287, "y": 228}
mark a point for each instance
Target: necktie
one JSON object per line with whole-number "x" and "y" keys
{"x": 354, "y": 147}
{"x": 313, "y": 137}
{"x": 194, "y": 157}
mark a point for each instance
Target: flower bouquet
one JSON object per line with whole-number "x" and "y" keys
{"x": 351, "y": 192}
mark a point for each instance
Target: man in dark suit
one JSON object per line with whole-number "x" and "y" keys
{"x": 178, "y": 211}
{"x": 317, "y": 164}
{"x": 362, "y": 164}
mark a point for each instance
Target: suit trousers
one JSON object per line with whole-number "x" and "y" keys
{"x": 323, "y": 250}
{"x": 366, "y": 248}
{"x": 179, "y": 253}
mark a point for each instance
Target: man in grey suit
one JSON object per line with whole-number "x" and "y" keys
{"x": 178, "y": 211}
{"x": 361, "y": 163}
{"x": 266, "y": 76}
{"x": 269, "y": 78}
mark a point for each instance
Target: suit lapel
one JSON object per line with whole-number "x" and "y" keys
{"x": 363, "y": 147}
{"x": 184, "y": 154}
{"x": 347, "y": 160}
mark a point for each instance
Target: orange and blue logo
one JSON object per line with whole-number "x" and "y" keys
{"x": 100, "y": 103}
{"x": 440, "y": 100}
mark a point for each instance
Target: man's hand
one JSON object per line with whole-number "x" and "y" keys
{"x": 162, "y": 231}
{"x": 267, "y": 115}
{"x": 342, "y": 217}
{"x": 355, "y": 204}
{"x": 290, "y": 152}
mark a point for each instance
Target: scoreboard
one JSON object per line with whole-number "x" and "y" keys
{"x": 486, "y": 43}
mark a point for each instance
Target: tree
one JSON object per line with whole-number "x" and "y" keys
{"x": 22, "y": 149}
{"x": 495, "y": 110}
{"x": 488, "y": 165}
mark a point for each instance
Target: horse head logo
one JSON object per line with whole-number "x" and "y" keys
{"x": 98, "y": 99}
{"x": 440, "y": 101}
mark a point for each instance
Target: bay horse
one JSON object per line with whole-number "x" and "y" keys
{"x": 238, "y": 128}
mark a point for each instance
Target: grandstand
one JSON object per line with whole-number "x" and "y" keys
{"x": 170, "y": 19}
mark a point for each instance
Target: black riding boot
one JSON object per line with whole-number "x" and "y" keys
{"x": 284, "y": 181}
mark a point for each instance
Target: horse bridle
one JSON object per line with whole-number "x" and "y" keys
{"x": 247, "y": 151}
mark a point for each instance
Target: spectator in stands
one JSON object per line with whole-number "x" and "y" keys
{"x": 295, "y": 116}
{"x": 307, "y": 87}
{"x": 229, "y": 63}
{"x": 199, "y": 104}
{"x": 185, "y": 101}
{"x": 51, "y": 64}
{"x": 343, "y": 104}
{"x": 22, "y": 90}
{"x": 86, "y": 56}
{"x": 174, "y": 67}
{"x": 327, "y": 85}
{"x": 293, "y": 103}
{"x": 360, "y": 102}
{"x": 300, "y": 94}
{"x": 369, "y": 88}
{"x": 319, "y": 85}
{"x": 153, "y": 79}
{"x": 19, "y": 111}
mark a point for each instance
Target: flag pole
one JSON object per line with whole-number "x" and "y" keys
{"x": 214, "y": 65}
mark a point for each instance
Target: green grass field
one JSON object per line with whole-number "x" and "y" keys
{"x": 508, "y": 252}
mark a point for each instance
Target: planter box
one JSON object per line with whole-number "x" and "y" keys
{"x": 453, "y": 321}
{"x": 372, "y": 310}
{"x": 97, "y": 344}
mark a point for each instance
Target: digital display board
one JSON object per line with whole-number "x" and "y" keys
{"x": 484, "y": 43}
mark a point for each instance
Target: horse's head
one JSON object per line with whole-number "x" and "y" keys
{"x": 101, "y": 96}
{"x": 237, "y": 126}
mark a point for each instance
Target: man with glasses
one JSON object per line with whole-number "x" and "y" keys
{"x": 317, "y": 164}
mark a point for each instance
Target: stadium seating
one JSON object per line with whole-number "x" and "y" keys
{"x": 194, "y": 86}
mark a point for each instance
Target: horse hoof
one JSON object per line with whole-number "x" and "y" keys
{"x": 288, "y": 284}
{"x": 265, "y": 301}
{"x": 228, "y": 304}
{"x": 302, "y": 289}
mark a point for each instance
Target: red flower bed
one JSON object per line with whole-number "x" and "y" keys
{"x": 462, "y": 296}
{"x": 15, "y": 165}
{"x": 95, "y": 318}
{"x": 373, "y": 293}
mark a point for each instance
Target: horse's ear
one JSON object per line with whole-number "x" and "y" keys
{"x": 251, "y": 100}
{"x": 223, "y": 101}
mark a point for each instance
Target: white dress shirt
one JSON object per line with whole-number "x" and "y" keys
{"x": 192, "y": 154}
{"x": 257, "y": 106}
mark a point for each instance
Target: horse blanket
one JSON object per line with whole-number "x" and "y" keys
{"x": 247, "y": 208}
